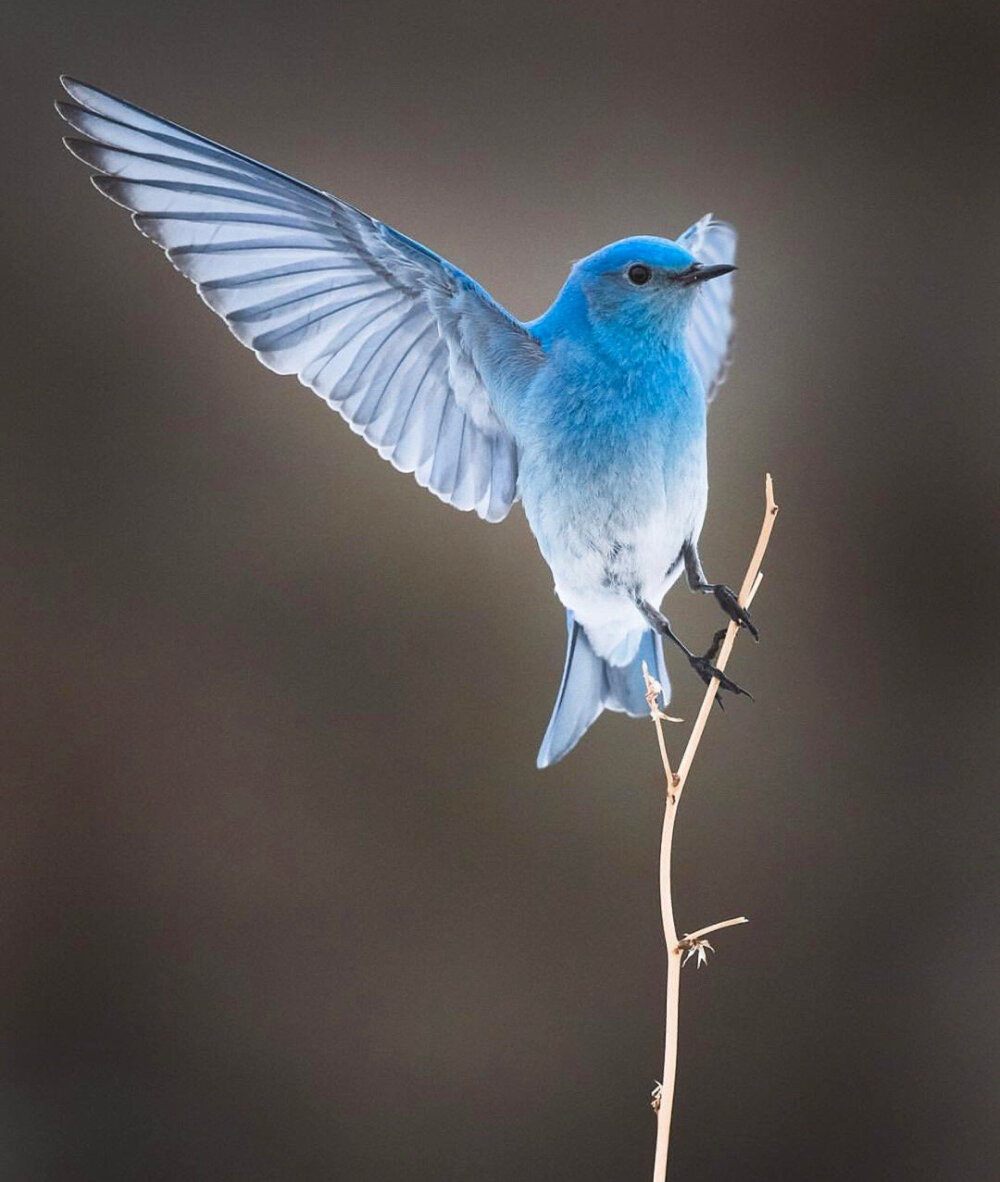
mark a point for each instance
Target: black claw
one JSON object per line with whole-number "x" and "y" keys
{"x": 727, "y": 600}
{"x": 706, "y": 671}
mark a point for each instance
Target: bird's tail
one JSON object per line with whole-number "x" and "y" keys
{"x": 590, "y": 685}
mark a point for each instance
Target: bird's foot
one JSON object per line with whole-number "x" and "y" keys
{"x": 707, "y": 671}
{"x": 730, "y": 604}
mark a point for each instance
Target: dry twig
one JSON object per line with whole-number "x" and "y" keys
{"x": 679, "y": 951}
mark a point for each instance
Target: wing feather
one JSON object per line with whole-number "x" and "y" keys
{"x": 710, "y": 329}
{"x": 392, "y": 336}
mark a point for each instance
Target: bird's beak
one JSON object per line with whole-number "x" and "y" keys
{"x": 699, "y": 272}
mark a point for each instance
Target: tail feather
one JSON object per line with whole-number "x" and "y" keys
{"x": 626, "y": 691}
{"x": 590, "y": 685}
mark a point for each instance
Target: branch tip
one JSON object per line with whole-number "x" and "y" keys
{"x": 694, "y": 936}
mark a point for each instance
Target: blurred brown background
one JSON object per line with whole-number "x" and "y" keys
{"x": 284, "y": 895}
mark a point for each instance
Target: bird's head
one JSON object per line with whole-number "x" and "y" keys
{"x": 641, "y": 287}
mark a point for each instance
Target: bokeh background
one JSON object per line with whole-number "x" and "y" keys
{"x": 284, "y": 896}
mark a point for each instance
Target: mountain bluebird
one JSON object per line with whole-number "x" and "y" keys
{"x": 593, "y": 415}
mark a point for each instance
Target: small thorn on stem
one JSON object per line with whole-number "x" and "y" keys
{"x": 695, "y": 944}
{"x": 698, "y": 948}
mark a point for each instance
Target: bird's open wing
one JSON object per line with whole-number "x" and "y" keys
{"x": 394, "y": 337}
{"x": 710, "y": 329}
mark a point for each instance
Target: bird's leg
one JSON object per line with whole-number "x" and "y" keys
{"x": 701, "y": 665}
{"x": 725, "y": 596}
{"x": 716, "y": 646}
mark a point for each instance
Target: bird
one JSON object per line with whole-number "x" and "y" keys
{"x": 593, "y": 416}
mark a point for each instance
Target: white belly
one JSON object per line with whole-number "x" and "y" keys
{"x": 601, "y": 556}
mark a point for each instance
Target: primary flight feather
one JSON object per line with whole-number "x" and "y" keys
{"x": 593, "y": 416}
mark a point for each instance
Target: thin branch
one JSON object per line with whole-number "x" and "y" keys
{"x": 692, "y": 942}
{"x": 690, "y": 937}
{"x": 653, "y": 692}
{"x": 751, "y": 583}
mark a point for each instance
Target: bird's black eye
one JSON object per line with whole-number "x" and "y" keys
{"x": 639, "y": 274}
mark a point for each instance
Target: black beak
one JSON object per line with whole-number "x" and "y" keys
{"x": 699, "y": 272}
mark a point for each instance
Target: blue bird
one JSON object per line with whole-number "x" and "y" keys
{"x": 593, "y": 416}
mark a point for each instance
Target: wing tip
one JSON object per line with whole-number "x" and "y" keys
{"x": 706, "y": 223}
{"x": 81, "y": 149}
{"x": 494, "y": 512}
{"x": 66, "y": 110}
{"x": 76, "y": 89}
{"x": 108, "y": 186}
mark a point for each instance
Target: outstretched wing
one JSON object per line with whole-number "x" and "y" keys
{"x": 394, "y": 337}
{"x": 710, "y": 329}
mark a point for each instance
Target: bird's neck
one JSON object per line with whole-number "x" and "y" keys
{"x": 648, "y": 373}
{"x": 611, "y": 403}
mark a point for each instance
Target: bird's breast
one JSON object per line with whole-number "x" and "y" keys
{"x": 612, "y": 465}
{"x": 615, "y": 509}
